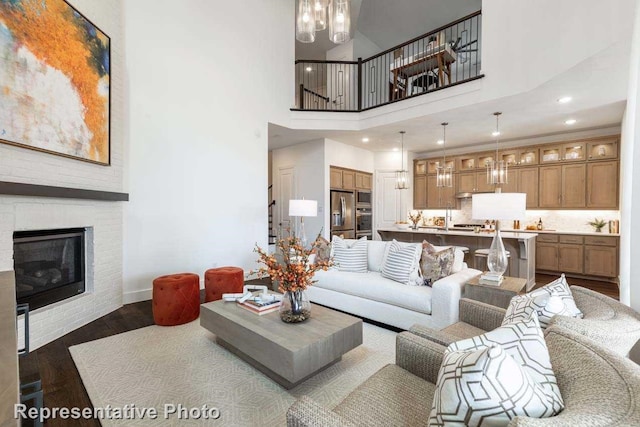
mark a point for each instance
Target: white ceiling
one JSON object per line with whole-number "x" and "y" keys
{"x": 388, "y": 23}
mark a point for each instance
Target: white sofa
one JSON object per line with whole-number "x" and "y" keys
{"x": 374, "y": 297}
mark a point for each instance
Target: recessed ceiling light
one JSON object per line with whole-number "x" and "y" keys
{"x": 440, "y": 142}
{"x": 396, "y": 149}
{"x": 495, "y": 133}
{"x": 308, "y": 69}
{"x": 365, "y": 139}
{"x": 564, "y": 99}
{"x": 570, "y": 122}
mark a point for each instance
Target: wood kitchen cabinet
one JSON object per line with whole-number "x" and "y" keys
{"x": 420, "y": 192}
{"x": 580, "y": 255}
{"x": 419, "y": 167}
{"x": 440, "y": 197}
{"x": 466, "y": 182}
{"x": 335, "y": 178}
{"x": 602, "y": 185}
{"x": 481, "y": 183}
{"x": 528, "y": 183}
{"x": 348, "y": 180}
{"x": 363, "y": 181}
{"x": 562, "y": 186}
{"x": 606, "y": 148}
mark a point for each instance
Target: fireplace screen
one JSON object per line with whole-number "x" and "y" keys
{"x": 49, "y": 265}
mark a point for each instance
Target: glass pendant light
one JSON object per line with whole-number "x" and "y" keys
{"x": 444, "y": 173}
{"x": 306, "y": 23}
{"x": 402, "y": 175}
{"x": 497, "y": 169}
{"x": 320, "y": 14}
{"x": 340, "y": 21}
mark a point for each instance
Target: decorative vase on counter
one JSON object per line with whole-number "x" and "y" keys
{"x": 295, "y": 307}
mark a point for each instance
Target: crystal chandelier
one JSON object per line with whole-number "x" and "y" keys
{"x": 402, "y": 175}
{"x": 312, "y": 17}
{"x": 497, "y": 169}
{"x": 444, "y": 173}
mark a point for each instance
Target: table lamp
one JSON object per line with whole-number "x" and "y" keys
{"x": 302, "y": 208}
{"x": 498, "y": 206}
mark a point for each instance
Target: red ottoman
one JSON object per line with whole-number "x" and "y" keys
{"x": 223, "y": 280}
{"x": 176, "y": 299}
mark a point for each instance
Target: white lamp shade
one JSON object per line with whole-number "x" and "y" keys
{"x": 303, "y": 207}
{"x": 499, "y": 206}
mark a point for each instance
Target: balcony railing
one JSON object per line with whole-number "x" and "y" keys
{"x": 444, "y": 57}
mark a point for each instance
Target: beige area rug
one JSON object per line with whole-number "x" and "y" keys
{"x": 154, "y": 366}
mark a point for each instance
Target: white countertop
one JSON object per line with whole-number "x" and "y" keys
{"x": 504, "y": 234}
{"x": 579, "y": 233}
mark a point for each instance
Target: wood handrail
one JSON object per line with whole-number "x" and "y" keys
{"x": 326, "y": 98}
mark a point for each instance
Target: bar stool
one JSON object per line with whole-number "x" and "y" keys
{"x": 480, "y": 254}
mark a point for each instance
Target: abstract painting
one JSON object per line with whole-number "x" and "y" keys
{"x": 54, "y": 80}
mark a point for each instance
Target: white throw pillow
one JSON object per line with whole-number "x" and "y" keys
{"x": 415, "y": 277}
{"x": 550, "y": 300}
{"x": 352, "y": 258}
{"x": 485, "y": 387}
{"x": 398, "y": 265}
{"x": 524, "y": 342}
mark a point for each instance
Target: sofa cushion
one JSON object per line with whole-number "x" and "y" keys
{"x": 550, "y": 300}
{"x": 435, "y": 265}
{"x": 374, "y": 287}
{"x": 350, "y": 257}
{"x": 376, "y": 250}
{"x": 485, "y": 387}
{"x": 399, "y": 264}
{"x": 524, "y": 342}
{"x": 416, "y": 277}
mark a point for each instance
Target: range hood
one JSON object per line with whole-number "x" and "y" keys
{"x": 468, "y": 194}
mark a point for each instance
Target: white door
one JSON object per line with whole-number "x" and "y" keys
{"x": 284, "y": 191}
{"x": 391, "y": 204}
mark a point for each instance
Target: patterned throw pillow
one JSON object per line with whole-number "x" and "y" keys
{"x": 551, "y": 300}
{"x": 435, "y": 265}
{"x": 350, "y": 258}
{"x": 322, "y": 249}
{"x": 399, "y": 264}
{"x": 485, "y": 387}
{"x": 393, "y": 246}
{"x": 524, "y": 342}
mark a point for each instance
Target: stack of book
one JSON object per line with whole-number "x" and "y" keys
{"x": 260, "y": 307}
{"x": 491, "y": 279}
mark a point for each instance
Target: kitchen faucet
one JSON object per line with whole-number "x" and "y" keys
{"x": 448, "y": 216}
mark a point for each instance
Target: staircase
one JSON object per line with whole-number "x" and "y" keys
{"x": 272, "y": 203}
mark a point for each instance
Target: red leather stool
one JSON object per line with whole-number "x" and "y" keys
{"x": 223, "y": 280}
{"x": 176, "y": 299}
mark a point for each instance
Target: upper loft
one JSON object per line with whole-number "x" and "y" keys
{"x": 444, "y": 56}
{"x": 528, "y": 55}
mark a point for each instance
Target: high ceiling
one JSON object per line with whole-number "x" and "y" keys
{"x": 388, "y": 23}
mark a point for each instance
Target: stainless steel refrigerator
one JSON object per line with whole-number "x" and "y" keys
{"x": 343, "y": 214}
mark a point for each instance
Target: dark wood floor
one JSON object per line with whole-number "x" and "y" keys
{"x": 61, "y": 381}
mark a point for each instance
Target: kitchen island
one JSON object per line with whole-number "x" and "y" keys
{"x": 522, "y": 246}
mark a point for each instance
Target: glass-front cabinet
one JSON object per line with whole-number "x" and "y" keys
{"x": 573, "y": 151}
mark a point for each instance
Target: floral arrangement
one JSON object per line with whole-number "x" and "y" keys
{"x": 598, "y": 224}
{"x": 293, "y": 271}
{"x": 415, "y": 217}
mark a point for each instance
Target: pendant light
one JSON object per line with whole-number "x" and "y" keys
{"x": 320, "y": 14}
{"x": 306, "y": 23}
{"x": 402, "y": 175}
{"x": 444, "y": 173}
{"x": 339, "y": 21}
{"x": 497, "y": 169}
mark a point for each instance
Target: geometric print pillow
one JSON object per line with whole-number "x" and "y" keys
{"x": 485, "y": 387}
{"x": 524, "y": 342}
{"x": 550, "y": 300}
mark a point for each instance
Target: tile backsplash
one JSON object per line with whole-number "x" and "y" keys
{"x": 559, "y": 220}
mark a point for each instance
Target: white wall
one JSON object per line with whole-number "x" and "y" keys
{"x": 307, "y": 161}
{"x": 205, "y": 78}
{"x": 363, "y": 47}
{"x": 630, "y": 181}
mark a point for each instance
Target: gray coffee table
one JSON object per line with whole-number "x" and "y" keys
{"x": 286, "y": 353}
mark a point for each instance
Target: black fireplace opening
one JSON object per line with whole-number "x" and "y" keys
{"x": 49, "y": 265}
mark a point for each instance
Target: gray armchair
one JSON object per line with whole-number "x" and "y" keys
{"x": 599, "y": 388}
{"x": 606, "y": 321}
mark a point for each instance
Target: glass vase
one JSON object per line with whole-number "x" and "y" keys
{"x": 497, "y": 260}
{"x": 295, "y": 307}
